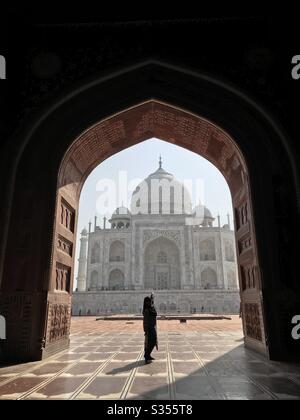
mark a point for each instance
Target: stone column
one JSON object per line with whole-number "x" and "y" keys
{"x": 191, "y": 268}
{"x": 228, "y": 221}
{"x": 81, "y": 278}
{"x": 223, "y": 280}
{"x": 224, "y": 265}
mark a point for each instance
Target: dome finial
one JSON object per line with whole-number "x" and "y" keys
{"x": 160, "y": 162}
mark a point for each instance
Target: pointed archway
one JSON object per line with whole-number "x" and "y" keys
{"x": 162, "y": 268}
{"x": 207, "y": 118}
{"x": 161, "y": 120}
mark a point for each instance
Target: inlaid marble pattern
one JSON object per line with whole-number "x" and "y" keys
{"x": 198, "y": 360}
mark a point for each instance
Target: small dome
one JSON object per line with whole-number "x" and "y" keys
{"x": 121, "y": 212}
{"x": 207, "y": 214}
{"x": 202, "y": 211}
{"x": 202, "y": 215}
{"x": 84, "y": 232}
{"x": 120, "y": 218}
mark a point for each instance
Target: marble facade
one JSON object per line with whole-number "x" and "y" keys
{"x": 189, "y": 263}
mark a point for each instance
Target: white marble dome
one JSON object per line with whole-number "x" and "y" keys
{"x": 161, "y": 193}
{"x": 202, "y": 215}
{"x": 120, "y": 218}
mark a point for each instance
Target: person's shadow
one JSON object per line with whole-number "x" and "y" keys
{"x": 126, "y": 368}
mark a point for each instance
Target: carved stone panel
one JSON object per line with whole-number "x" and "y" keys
{"x": 248, "y": 274}
{"x": 64, "y": 245}
{"x": 252, "y": 321}
{"x": 58, "y": 320}
{"x": 63, "y": 278}
{"x": 59, "y": 324}
{"x": 241, "y": 215}
{"x": 173, "y": 235}
{"x": 67, "y": 216}
{"x": 244, "y": 244}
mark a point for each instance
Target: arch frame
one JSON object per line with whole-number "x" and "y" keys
{"x": 205, "y": 271}
{"x": 94, "y": 275}
{"x": 211, "y": 249}
{"x": 115, "y": 241}
{"x": 113, "y": 270}
{"x": 175, "y": 248}
{"x": 195, "y": 93}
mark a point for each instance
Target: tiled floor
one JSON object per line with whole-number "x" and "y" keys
{"x": 196, "y": 360}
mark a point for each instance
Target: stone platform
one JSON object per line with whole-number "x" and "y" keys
{"x": 188, "y": 317}
{"x": 166, "y": 302}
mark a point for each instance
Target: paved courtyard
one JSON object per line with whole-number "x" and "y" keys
{"x": 197, "y": 360}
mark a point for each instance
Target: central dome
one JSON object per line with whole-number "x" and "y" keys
{"x": 161, "y": 193}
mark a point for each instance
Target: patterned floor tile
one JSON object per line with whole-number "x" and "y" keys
{"x": 198, "y": 360}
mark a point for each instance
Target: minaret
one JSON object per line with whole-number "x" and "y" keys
{"x": 81, "y": 278}
{"x": 160, "y": 162}
{"x": 228, "y": 220}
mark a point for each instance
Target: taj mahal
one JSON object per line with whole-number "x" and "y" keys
{"x": 163, "y": 245}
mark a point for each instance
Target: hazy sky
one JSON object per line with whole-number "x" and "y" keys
{"x": 136, "y": 163}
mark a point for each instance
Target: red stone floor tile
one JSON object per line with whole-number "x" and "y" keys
{"x": 123, "y": 368}
{"x": 48, "y": 369}
{"x": 98, "y": 356}
{"x": 68, "y": 357}
{"x": 59, "y": 388}
{"x": 15, "y": 369}
{"x": 149, "y": 388}
{"x": 126, "y": 356}
{"x": 155, "y": 368}
{"x": 83, "y": 368}
{"x": 188, "y": 368}
{"x": 104, "y": 388}
{"x": 14, "y": 389}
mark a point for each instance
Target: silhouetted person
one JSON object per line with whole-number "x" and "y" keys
{"x": 149, "y": 324}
